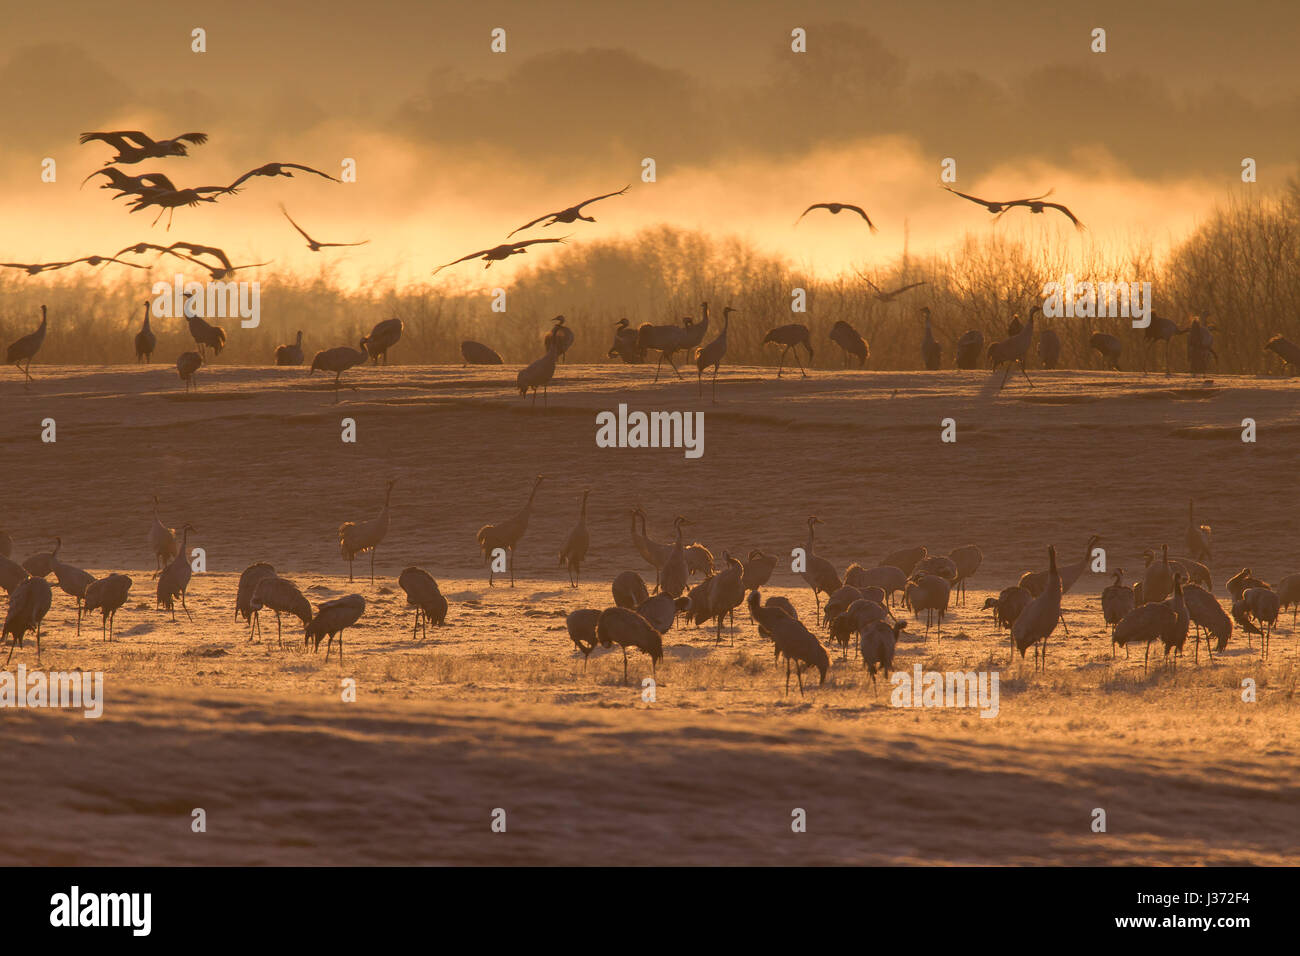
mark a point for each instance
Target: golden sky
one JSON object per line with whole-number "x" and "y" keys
{"x": 455, "y": 145}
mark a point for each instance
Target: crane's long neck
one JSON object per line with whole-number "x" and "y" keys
{"x": 299, "y": 341}
{"x": 582, "y": 515}
{"x": 809, "y": 549}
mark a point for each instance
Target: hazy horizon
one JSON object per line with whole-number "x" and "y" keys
{"x": 455, "y": 145}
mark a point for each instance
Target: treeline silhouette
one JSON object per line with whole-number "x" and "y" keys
{"x": 1241, "y": 266}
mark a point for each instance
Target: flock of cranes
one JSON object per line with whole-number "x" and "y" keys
{"x": 863, "y": 609}
{"x": 154, "y": 189}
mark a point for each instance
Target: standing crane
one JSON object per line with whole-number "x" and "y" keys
{"x": 969, "y": 349}
{"x": 850, "y": 342}
{"x": 162, "y": 541}
{"x": 145, "y": 340}
{"x": 422, "y": 593}
{"x": 107, "y": 595}
{"x": 1038, "y": 620}
{"x": 290, "y": 354}
{"x": 791, "y": 640}
{"x": 712, "y": 355}
{"x": 331, "y": 619}
{"x": 283, "y": 597}
{"x": 1198, "y": 535}
{"x": 791, "y": 335}
{"x": 581, "y": 624}
{"x": 618, "y": 625}
{"x": 338, "y": 360}
{"x": 931, "y": 350}
{"x": 1012, "y": 350}
{"x": 73, "y": 582}
{"x": 382, "y": 337}
{"x": 253, "y": 575}
{"x": 575, "y": 545}
{"x": 29, "y": 602}
{"x": 359, "y": 537}
{"x": 656, "y": 553}
{"x": 538, "y": 374}
{"x": 673, "y": 578}
{"x": 26, "y": 348}
{"x": 560, "y": 336}
{"x": 175, "y": 578}
{"x": 819, "y": 574}
{"x": 505, "y": 536}
{"x": 187, "y": 364}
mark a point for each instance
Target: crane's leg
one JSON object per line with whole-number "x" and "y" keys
{"x": 798, "y": 672}
{"x": 800, "y": 361}
{"x": 1026, "y": 374}
{"x": 1004, "y": 376}
{"x": 787, "y": 676}
{"x": 416, "y": 625}
{"x": 349, "y": 570}
{"x": 624, "y": 663}
{"x": 1147, "y": 658}
{"x": 699, "y": 379}
{"x": 780, "y": 366}
{"x": 184, "y": 608}
{"x": 279, "y": 639}
{"x": 674, "y": 365}
{"x": 659, "y": 366}
{"x": 715, "y": 401}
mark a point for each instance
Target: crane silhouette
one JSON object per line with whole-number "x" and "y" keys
{"x": 26, "y": 348}
{"x": 835, "y": 208}
{"x": 506, "y": 535}
{"x": 316, "y": 245}
{"x": 359, "y": 537}
{"x": 712, "y": 355}
{"x": 569, "y": 214}
{"x": 134, "y": 146}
